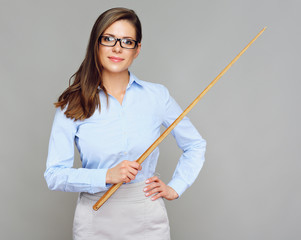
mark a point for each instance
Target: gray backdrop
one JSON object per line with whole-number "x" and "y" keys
{"x": 249, "y": 187}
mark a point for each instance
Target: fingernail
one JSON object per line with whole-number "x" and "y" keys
{"x": 152, "y": 198}
{"x": 147, "y": 181}
{"x": 146, "y": 194}
{"x": 144, "y": 189}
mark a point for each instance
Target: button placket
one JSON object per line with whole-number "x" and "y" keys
{"x": 124, "y": 129}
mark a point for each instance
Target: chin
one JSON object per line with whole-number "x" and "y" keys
{"x": 116, "y": 70}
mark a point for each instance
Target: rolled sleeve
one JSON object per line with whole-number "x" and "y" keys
{"x": 191, "y": 143}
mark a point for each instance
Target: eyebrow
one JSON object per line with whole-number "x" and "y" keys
{"x": 115, "y": 36}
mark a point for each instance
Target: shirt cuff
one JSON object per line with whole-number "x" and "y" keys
{"x": 98, "y": 180}
{"x": 178, "y": 185}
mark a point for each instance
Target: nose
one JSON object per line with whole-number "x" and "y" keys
{"x": 117, "y": 47}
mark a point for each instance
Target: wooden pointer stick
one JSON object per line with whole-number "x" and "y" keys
{"x": 114, "y": 188}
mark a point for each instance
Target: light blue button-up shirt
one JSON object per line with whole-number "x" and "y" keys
{"x": 121, "y": 132}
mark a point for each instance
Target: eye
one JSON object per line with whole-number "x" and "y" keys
{"x": 128, "y": 42}
{"x": 108, "y": 39}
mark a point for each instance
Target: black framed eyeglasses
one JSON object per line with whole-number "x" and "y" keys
{"x": 110, "y": 41}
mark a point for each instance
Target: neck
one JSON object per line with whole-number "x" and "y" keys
{"x": 115, "y": 83}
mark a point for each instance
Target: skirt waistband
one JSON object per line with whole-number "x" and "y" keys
{"x": 126, "y": 192}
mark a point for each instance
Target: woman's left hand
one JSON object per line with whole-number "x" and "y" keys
{"x": 160, "y": 189}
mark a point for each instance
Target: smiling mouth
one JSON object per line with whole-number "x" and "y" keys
{"x": 116, "y": 59}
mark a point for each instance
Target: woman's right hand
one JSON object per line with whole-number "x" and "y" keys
{"x": 125, "y": 171}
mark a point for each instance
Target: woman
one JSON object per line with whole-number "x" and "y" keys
{"x": 113, "y": 117}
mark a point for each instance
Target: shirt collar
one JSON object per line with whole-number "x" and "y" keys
{"x": 133, "y": 79}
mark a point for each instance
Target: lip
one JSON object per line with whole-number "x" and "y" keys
{"x": 116, "y": 59}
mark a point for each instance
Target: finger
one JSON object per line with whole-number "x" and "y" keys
{"x": 127, "y": 180}
{"x": 159, "y": 195}
{"x": 131, "y": 176}
{"x": 134, "y": 164}
{"x": 151, "y": 186}
{"x": 153, "y": 191}
{"x": 152, "y": 179}
{"x": 133, "y": 171}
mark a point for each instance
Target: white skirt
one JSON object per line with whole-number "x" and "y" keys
{"x": 127, "y": 214}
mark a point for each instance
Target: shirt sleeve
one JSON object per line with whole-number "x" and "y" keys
{"x": 59, "y": 173}
{"x": 191, "y": 143}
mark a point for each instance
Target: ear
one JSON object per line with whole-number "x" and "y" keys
{"x": 138, "y": 50}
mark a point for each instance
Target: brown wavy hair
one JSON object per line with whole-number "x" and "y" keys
{"x": 81, "y": 97}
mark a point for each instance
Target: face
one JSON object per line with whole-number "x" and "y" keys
{"x": 117, "y": 59}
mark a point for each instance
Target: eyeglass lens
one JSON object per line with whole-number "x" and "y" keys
{"x": 111, "y": 41}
